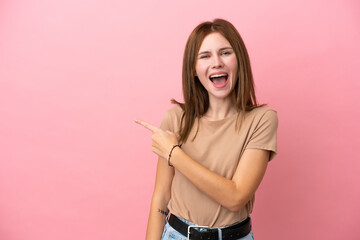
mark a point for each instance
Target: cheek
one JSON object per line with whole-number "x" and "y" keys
{"x": 197, "y": 70}
{"x": 202, "y": 80}
{"x": 234, "y": 64}
{"x": 200, "y": 69}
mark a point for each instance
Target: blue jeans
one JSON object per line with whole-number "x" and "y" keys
{"x": 170, "y": 233}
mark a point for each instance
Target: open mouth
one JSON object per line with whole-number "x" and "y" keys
{"x": 219, "y": 80}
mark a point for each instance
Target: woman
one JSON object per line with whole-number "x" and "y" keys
{"x": 214, "y": 148}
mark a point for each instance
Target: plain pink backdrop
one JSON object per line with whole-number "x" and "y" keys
{"x": 75, "y": 74}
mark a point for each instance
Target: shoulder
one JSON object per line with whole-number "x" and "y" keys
{"x": 262, "y": 113}
{"x": 174, "y": 111}
{"x": 173, "y": 114}
{"x": 172, "y": 118}
{"x": 261, "y": 117}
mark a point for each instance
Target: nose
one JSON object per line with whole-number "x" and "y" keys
{"x": 217, "y": 62}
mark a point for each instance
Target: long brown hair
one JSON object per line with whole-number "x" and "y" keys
{"x": 196, "y": 98}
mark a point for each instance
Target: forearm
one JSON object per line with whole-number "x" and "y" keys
{"x": 220, "y": 189}
{"x": 160, "y": 200}
{"x": 156, "y": 220}
{"x": 230, "y": 193}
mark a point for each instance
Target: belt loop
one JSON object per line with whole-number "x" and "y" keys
{"x": 220, "y": 234}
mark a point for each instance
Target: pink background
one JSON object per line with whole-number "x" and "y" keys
{"x": 75, "y": 74}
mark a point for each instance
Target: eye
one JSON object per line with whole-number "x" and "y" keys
{"x": 204, "y": 56}
{"x": 227, "y": 53}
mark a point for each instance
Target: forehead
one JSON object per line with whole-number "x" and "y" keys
{"x": 214, "y": 41}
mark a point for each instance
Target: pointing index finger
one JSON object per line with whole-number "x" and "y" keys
{"x": 147, "y": 125}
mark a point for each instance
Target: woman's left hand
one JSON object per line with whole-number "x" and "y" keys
{"x": 162, "y": 141}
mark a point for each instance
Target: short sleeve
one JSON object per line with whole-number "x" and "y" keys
{"x": 167, "y": 123}
{"x": 264, "y": 135}
{"x": 170, "y": 121}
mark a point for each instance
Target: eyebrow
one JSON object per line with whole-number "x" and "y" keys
{"x": 221, "y": 49}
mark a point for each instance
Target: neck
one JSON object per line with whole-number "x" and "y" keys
{"x": 220, "y": 108}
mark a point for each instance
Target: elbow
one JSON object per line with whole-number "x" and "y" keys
{"x": 161, "y": 199}
{"x": 236, "y": 204}
{"x": 235, "y": 207}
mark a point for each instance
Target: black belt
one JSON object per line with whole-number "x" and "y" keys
{"x": 235, "y": 231}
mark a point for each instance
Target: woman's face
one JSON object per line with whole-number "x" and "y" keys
{"x": 216, "y": 66}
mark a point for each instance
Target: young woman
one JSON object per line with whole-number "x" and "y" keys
{"x": 214, "y": 148}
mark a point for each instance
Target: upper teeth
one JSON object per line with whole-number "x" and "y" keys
{"x": 218, "y": 75}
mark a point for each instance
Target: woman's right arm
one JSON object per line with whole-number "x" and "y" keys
{"x": 160, "y": 199}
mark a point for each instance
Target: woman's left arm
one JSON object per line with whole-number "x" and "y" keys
{"x": 231, "y": 193}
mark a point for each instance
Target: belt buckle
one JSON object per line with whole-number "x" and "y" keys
{"x": 194, "y": 226}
